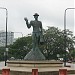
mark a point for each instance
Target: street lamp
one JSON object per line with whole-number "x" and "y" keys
{"x": 6, "y": 30}
{"x": 65, "y": 33}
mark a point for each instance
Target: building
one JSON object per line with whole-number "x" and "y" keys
{"x": 10, "y": 38}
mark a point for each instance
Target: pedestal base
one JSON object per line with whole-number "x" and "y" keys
{"x": 34, "y": 55}
{"x": 35, "y": 64}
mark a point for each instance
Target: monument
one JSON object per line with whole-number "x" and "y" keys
{"x": 34, "y": 59}
{"x": 37, "y": 39}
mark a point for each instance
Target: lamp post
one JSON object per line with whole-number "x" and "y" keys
{"x": 65, "y": 32}
{"x": 6, "y": 32}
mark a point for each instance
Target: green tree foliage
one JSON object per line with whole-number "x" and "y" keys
{"x": 2, "y": 50}
{"x": 54, "y": 42}
{"x": 20, "y": 47}
{"x": 53, "y": 45}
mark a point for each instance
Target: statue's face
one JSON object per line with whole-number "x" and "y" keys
{"x": 36, "y": 17}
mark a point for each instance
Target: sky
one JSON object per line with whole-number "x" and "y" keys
{"x": 51, "y": 13}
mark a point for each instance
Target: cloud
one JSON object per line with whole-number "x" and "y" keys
{"x": 51, "y": 13}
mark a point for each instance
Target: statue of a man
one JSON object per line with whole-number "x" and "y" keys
{"x": 37, "y": 30}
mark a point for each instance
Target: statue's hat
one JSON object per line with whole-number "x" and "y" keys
{"x": 36, "y": 14}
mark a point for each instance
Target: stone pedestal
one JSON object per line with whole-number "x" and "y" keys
{"x": 34, "y": 55}
{"x": 35, "y": 64}
{"x": 44, "y": 67}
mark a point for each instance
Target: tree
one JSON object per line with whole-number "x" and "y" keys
{"x": 2, "y": 50}
{"x": 20, "y": 47}
{"x": 53, "y": 45}
{"x": 54, "y": 42}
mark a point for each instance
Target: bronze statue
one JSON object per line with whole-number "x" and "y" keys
{"x": 37, "y": 39}
{"x": 37, "y": 35}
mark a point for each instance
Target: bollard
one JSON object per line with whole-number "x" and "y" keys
{"x": 34, "y": 71}
{"x": 5, "y": 71}
{"x": 62, "y": 71}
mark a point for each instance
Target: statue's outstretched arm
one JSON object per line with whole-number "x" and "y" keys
{"x": 27, "y": 23}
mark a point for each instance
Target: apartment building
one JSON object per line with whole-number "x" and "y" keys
{"x": 10, "y": 38}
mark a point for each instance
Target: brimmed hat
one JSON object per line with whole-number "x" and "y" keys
{"x": 35, "y": 14}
